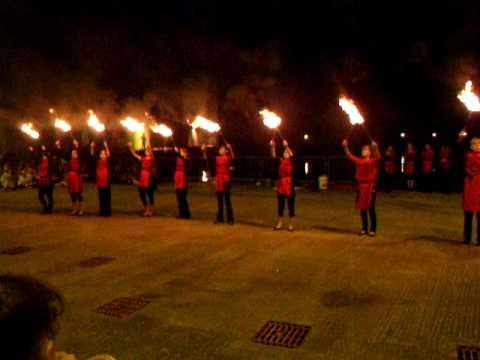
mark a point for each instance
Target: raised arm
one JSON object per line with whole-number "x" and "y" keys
{"x": 92, "y": 148}
{"x": 230, "y": 148}
{"x": 375, "y": 151}
{"x": 204, "y": 152}
{"x": 349, "y": 155}
{"x": 134, "y": 154}
{"x": 107, "y": 150}
{"x": 287, "y": 148}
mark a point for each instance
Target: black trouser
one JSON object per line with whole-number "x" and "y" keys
{"x": 221, "y": 197}
{"x": 45, "y": 196}
{"x": 147, "y": 193}
{"x": 281, "y": 204}
{"x": 427, "y": 182}
{"x": 183, "y": 209}
{"x": 445, "y": 181}
{"x": 467, "y": 228}
{"x": 105, "y": 201}
{"x": 365, "y": 214}
{"x": 76, "y": 197}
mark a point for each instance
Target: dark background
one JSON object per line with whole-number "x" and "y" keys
{"x": 403, "y": 63}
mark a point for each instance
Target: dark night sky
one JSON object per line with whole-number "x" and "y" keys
{"x": 403, "y": 62}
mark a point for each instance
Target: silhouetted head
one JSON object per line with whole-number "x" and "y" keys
{"x": 366, "y": 151}
{"x": 410, "y": 146}
{"x": 286, "y": 154}
{"x": 183, "y": 152}
{"x": 222, "y": 150}
{"x": 74, "y": 154}
{"x": 428, "y": 147}
{"x": 103, "y": 154}
{"x": 29, "y": 312}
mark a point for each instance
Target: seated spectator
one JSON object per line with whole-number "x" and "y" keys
{"x": 29, "y": 314}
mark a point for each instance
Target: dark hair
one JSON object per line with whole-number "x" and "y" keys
{"x": 29, "y": 311}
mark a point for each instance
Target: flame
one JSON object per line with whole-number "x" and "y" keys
{"x": 94, "y": 123}
{"x": 62, "y": 125}
{"x": 162, "y": 129}
{"x": 351, "y": 109}
{"x": 469, "y": 98}
{"x": 205, "y": 124}
{"x": 204, "y": 176}
{"x": 270, "y": 119}
{"x": 132, "y": 125}
{"x": 28, "y": 129}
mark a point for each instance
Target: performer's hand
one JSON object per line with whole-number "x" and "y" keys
{"x": 92, "y": 144}
{"x": 285, "y": 143}
{"x": 75, "y": 143}
{"x": 30, "y": 148}
{"x": 374, "y": 143}
{"x": 105, "y": 143}
{"x": 272, "y": 142}
{"x": 345, "y": 143}
{"x": 57, "y": 143}
{"x": 203, "y": 147}
{"x": 130, "y": 145}
{"x": 44, "y": 148}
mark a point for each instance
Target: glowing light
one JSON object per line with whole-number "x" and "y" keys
{"x": 403, "y": 135}
{"x": 51, "y": 111}
{"x": 205, "y": 124}
{"x": 94, "y": 122}
{"x": 28, "y": 129}
{"x": 434, "y": 135}
{"x": 204, "y": 176}
{"x": 270, "y": 119}
{"x": 307, "y": 167}
{"x": 402, "y": 164}
{"x": 469, "y": 98}
{"x": 162, "y": 129}
{"x": 349, "y": 107}
{"x": 463, "y": 133}
{"x": 62, "y": 125}
{"x": 132, "y": 125}
{"x": 306, "y": 137}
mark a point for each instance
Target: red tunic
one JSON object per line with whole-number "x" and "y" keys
{"x": 410, "y": 156}
{"x": 285, "y": 181}
{"x": 445, "y": 159}
{"x": 103, "y": 173}
{"x": 145, "y": 179}
{"x": 44, "y": 178}
{"x": 366, "y": 174}
{"x": 180, "y": 178}
{"x": 389, "y": 164}
{"x": 74, "y": 178}
{"x": 222, "y": 178}
{"x": 427, "y": 161}
{"x": 471, "y": 185}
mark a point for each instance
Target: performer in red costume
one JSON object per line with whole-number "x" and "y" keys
{"x": 222, "y": 182}
{"x": 45, "y": 181}
{"x": 285, "y": 185}
{"x": 146, "y": 181}
{"x": 74, "y": 178}
{"x": 366, "y": 174}
{"x": 410, "y": 160}
{"x": 390, "y": 168}
{"x": 181, "y": 182}
{"x": 428, "y": 154}
{"x": 103, "y": 178}
{"x": 445, "y": 166}
{"x": 471, "y": 190}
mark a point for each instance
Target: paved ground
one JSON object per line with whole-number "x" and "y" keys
{"x": 411, "y": 293}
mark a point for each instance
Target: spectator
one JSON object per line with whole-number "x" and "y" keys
{"x": 7, "y": 179}
{"x": 29, "y": 314}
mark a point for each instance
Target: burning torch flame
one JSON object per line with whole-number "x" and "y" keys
{"x": 205, "y": 124}
{"x": 204, "y": 176}
{"x": 270, "y": 119}
{"x": 469, "y": 98}
{"x": 132, "y": 125}
{"x": 62, "y": 125}
{"x": 30, "y": 131}
{"x": 350, "y": 108}
{"x": 162, "y": 129}
{"x": 94, "y": 123}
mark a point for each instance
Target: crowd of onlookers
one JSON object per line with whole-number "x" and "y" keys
{"x": 20, "y": 177}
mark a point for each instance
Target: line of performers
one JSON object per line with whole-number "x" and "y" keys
{"x": 417, "y": 166}
{"x": 367, "y": 167}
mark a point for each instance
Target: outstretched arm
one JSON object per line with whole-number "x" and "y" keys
{"x": 134, "y": 154}
{"x": 273, "y": 151}
{"x": 349, "y": 155}
{"x": 107, "y": 150}
{"x": 287, "y": 147}
{"x": 230, "y": 148}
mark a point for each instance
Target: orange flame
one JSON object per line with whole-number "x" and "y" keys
{"x": 270, "y": 119}
{"x": 351, "y": 109}
{"x": 94, "y": 122}
{"x": 162, "y": 129}
{"x": 62, "y": 125}
{"x": 28, "y": 129}
{"x": 205, "y": 124}
{"x": 132, "y": 125}
{"x": 469, "y": 98}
